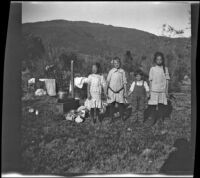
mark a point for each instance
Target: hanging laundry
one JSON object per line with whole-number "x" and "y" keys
{"x": 78, "y": 82}
{"x": 50, "y": 86}
{"x": 31, "y": 81}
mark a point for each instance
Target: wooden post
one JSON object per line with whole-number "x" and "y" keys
{"x": 72, "y": 77}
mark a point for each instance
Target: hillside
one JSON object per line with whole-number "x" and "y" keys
{"x": 93, "y": 38}
{"x": 97, "y": 42}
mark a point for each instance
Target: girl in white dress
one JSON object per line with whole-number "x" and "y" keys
{"x": 96, "y": 82}
{"x": 116, "y": 88}
{"x": 158, "y": 78}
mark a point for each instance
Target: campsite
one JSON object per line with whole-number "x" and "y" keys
{"x": 51, "y": 144}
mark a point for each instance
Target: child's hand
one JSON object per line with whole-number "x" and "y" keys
{"x": 89, "y": 96}
{"x": 125, "y": 95}
{"x": 148, "y": 95}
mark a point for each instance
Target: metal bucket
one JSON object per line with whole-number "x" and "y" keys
{"x": 62, "y": 95}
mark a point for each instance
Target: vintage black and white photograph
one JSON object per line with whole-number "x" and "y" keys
{"x": 106, "y": 88}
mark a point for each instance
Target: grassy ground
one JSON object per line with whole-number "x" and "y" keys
{"x": 53, "y": 145}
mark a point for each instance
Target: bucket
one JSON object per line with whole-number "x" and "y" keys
{"x": 62, "y": 95}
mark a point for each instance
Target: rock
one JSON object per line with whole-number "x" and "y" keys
{"x": 150, "y": 161}
{"x": 129, "y": 129}
{"x": 163, "y": 132}
{"x": 146, "y": 152}
{"x": 36, "y": 112}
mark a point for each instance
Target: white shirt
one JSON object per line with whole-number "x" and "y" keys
{"x": 139, "y": 83}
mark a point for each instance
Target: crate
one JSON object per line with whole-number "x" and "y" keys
{"x": 64, "y": 107}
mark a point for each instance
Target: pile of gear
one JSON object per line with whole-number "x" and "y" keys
{"x": 78, "y": 115}
{"x": 72, "y": 108}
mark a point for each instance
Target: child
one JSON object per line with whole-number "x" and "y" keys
{"x": 95, "y": 84}
{"x": 158, "y": 77}
{"x": 116, "y": 88}
{"x": 140, "y": 90}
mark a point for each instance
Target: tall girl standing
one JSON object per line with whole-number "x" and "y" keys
{"x": 116, "y": 88}
{"x": 158, "y": 78}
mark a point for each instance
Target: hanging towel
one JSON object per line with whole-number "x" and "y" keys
{"x": 78, "y": 82}
{"x": 50, "y": 86}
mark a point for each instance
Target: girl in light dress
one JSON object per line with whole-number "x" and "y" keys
{"x": 116, "y": 88}
{"x": 158, "y": 78}
{"x": 96, "y": 82}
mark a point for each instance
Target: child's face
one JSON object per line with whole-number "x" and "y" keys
{"x": 159, "y": 60}
{"x": 116, "y": 64}
{"x": 138, "y": 77}
{"x": 94, "y": 69}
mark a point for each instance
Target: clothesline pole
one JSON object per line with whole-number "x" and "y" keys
{"x": 72, "y": 77}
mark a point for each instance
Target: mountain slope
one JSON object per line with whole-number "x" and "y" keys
{"x": 93, "y": 38}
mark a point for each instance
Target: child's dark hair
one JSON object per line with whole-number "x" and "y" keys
{"x": 98, "y": 67}
{"x": 163, "y": 59}
{"x": 138, "y": 72}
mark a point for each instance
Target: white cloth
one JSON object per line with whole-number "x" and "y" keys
{"x": 50, "y": 86}
{"x": 40, "y": 92}
{"x": 78, "y": 119}
{"x": 78, "y": 82}
{"x": 31, "y": 81}
{"x": 42, "y": 79}
{"x": 116, "y": 79}
{"x": 139, "y": 83}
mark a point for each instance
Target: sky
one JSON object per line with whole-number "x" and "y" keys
{"x": 145, "y": 16}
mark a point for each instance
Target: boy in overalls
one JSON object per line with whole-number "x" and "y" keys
{"x": 139, "y": 90}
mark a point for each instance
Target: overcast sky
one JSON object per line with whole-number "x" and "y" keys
{"x": 146, "y": 16}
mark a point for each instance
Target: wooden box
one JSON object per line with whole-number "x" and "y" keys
{"x": 62, "y": 108}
